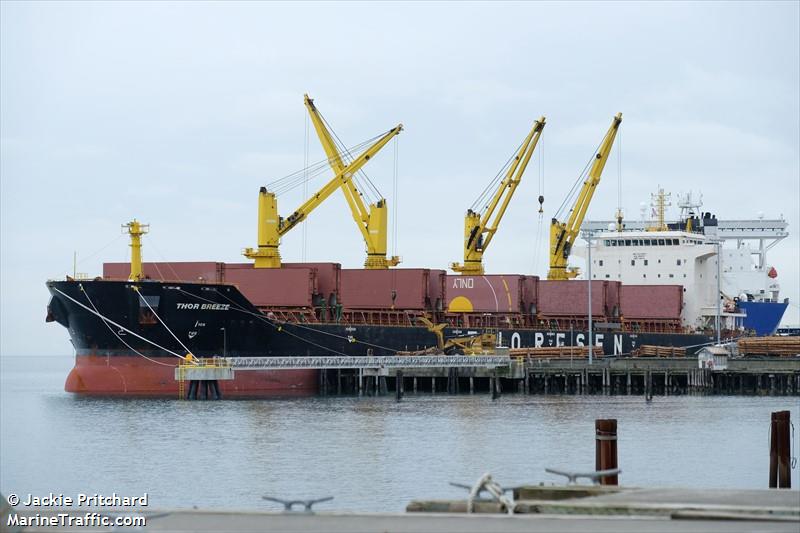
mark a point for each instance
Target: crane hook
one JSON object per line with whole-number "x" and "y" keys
{"x": 541, "y": 201}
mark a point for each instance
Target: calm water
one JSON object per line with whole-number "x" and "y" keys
{"x": 372, "y": 454}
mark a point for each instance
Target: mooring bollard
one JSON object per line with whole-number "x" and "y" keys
{"x": 780, "y": 475}
{"x": 605, "y": 455}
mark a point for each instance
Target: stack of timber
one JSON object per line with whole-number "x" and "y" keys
{"x": 646, "y": 350}
{"x": 780, "y": 346}
{"x": 554, "y": 352}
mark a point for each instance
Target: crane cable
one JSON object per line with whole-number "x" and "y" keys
{"x": 537, "y": 244}
{"x": 485, "y": 195}
{"x": 619, "y": 173}
{"x": 295, "y": 179}
{"x": 576, "y": 185}
{"x": 305, "y": 189}
{"x": 366, "y": 186}
{"x": 395, "y": 202}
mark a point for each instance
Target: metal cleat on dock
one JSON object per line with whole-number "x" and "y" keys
{"x": 486, "y": 484}
{"x": 288, "y": 505}
{"x": 572, "y": 477}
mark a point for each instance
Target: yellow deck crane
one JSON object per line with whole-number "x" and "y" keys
{"x": 563, "y": 235}
{"x": 480, "y": 228}
{"x": 271, "y": 226}
{"x": 372, "y": 221}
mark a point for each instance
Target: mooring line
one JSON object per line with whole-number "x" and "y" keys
{"x": 134, "y": 350}
{"x": 118, "y": 325}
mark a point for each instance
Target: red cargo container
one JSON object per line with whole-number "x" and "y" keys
{"x": 613, "y": 298}
{"x": 530, "y": 294}
{"x": 273, "y": 287}
{"x": 172, "y": 271}
{"x": 652, "y": 302}
{"x": 396, "y": 288}
{"x": 570, "y": 298}
{"x": 485, "y": 294}
{"x": 437, "y": 290}
{"x": 328, "y": 278}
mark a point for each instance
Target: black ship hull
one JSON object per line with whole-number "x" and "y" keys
{"x": 128, "y": 337}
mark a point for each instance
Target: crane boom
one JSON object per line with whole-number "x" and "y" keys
{"x": 563, "y": 235}
{"x": 479, "y": 230}
{"x": 272, "y": 227}
{"x": 371, "y": 222}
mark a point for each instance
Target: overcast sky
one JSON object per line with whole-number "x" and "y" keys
{"x": 177, "y": 113}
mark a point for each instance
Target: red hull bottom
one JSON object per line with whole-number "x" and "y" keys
{"x": 102, "y": 375}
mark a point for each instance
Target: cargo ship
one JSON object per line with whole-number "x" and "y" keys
{"x": 134, "y": 324}
{"x": 128, "y": 335}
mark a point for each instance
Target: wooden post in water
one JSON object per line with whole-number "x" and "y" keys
{"x": 605, "y": 454}
{"x": 493, "y": 385}
{"x": 398, "y": 385}
{"x": 780, "y": 475}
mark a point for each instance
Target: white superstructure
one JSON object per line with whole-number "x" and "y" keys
{"x": 666, "y": 258}
{"x": 685, "y": 253}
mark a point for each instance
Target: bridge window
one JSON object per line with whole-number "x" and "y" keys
{"x": 613, "y": 243}
{"x": 645, "y": 262}
{"x": 661, "y": 242}
{"x": 679, "y": 262}
{"x": 633, "y": 262}
{"x": 601, "y": 262}
{"x": 627, "y": 242}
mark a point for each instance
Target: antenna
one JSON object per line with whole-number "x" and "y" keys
{"x": 660, "y": 202}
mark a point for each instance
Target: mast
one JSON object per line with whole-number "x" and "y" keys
{"x": 136, "y": 229}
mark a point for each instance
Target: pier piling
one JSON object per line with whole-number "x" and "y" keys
{"x": 605, "y": 455}
{"x": 398, "y": 385}
{"x": 779, "y": 466}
